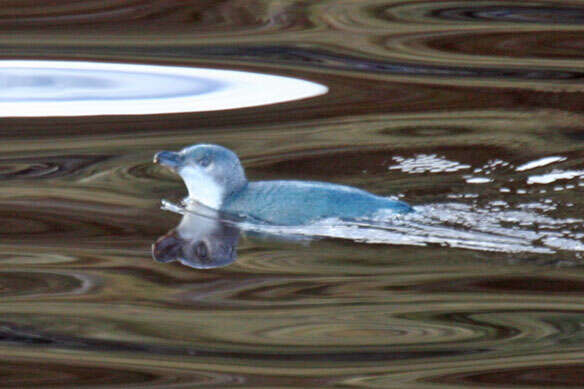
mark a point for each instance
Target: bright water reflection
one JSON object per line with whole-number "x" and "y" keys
{"x": 70, "y": 88}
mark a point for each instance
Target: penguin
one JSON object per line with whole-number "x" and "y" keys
{"x": 215, "y": 178}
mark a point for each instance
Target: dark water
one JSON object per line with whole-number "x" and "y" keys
{"x": 442, "y": 103}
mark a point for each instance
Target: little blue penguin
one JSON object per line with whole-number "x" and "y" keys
{"x": 215, "y": 178}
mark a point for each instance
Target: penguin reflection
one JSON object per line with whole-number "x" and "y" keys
{"x": 199, "y": 241}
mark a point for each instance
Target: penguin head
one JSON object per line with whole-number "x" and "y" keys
{"x": 210, "y": 172}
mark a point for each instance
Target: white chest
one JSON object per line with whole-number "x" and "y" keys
{"x": 202, "y": 187}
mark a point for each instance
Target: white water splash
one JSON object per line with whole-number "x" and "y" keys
{"x": 424, "y": 163}
{"x": 450, "y": 225}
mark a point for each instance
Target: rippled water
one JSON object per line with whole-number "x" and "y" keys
{"x": 470, "y": 111}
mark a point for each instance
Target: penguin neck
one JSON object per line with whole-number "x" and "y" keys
{"x": 208, "y": 192}
{"x": 209, "y": 196}
{"x": 203, "y": 189}
{"x": 236, "y": 191}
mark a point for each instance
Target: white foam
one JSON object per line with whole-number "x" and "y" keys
{"x": 424, "y": 163}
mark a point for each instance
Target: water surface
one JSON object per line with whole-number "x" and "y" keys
{"x": 470, "y": 111}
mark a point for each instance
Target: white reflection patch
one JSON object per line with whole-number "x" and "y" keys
{"x": 554, "y": 176}
{"x": 539, "y": 163}
{"x": 72, "y": 88}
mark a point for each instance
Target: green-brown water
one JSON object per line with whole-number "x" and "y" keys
{"x": 439, "y": 102}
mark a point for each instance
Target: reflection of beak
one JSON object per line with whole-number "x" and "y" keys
{"x": 169, "y": 159}
{"x": 167, "y": 248}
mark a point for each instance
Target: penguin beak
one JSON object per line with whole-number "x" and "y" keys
{"x": 169, "y": 159}
{"x": 167, "y": 248}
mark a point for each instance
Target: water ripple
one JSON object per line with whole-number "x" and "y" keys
{"x": 36, "y": 284}
{"x": 536, "y": 12}
{"x": 46, "y": 220}
{"x": 540, "y": 375}
{"x": 530, "y": 44}
{"x": 24, "y": 374}
{"x": 487, "y": 12}
{"x": 46, "y": 167}
{"x": 328, "y": 59}
{"x": 166, "y": 15}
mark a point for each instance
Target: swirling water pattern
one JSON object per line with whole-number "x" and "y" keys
{"x": 471, "y": 111}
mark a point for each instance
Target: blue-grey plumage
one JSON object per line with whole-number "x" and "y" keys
{"x": 214, "y": 177}
{"x": 301, "y": 202}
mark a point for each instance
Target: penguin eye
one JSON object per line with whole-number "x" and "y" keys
{"x": 201, "y": 250}
{"x": 205, "y": 161}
